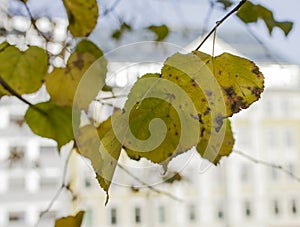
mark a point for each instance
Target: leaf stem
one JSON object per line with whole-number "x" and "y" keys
{"x": 218, "y": 23}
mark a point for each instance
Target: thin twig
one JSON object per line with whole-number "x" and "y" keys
{"x": 110, "y": 9}
{"x": 149, "y": 186}
{"x": 33, "y": 21}
{"x": 268, "y": 164}
{"x": 63, "y": 185}
{"x": 13, "y": 92}
{"x": 242, "y": 2}
{"x": 16, "y": 94}
{"x": 262, "y": 44}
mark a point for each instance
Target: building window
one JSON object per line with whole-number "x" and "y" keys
{"x": 288, "y": 137}
{"x": 294, "y": 207}
{"x": 162, "y": 214}
{"x": 276, "y": 210}
{"x": 16, "y": 216}
{"x": 16, "y": 119}
{"x": 50, "y": 215}
{"x": 87, "y": 182}
{"x": 113, "y": 216}
{"x": 48, "y": 182}
{"x": 291, "y": 169}
{"x": 137, "y": 215}
{"x": 274, "y": 174}
{"x": 47, "y": 150}
{"x": 192, "y": 213}
{"x": 16, "y": 183}
{"x": 220, "y": 213}
{"x": 247, "y": 209}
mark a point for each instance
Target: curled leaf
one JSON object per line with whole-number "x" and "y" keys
{"x": 251, "y": 13}
{"x": 101, "y": 146}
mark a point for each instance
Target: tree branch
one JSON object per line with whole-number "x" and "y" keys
{"x": 149, "y": 186}
{"x": 110, "y": 9}
{"x": 64, "y": 185}
{"x": 33, "y": 21}
{"x": 268, "y": 164}
{"x": 16, "y": 94}
{"x": 13, "y": 92}
{"x": 218, "y": 23}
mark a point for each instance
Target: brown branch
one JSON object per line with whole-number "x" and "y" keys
{"x": 149, "y": 186}
{"x": 268, "y": 164}
{"x": 13, "y": 92}
{"x": 242, "y": 2}
{"x": 33, "y": 21}
{"x": 63, "y": 185}
{"x": 16, "y": 94}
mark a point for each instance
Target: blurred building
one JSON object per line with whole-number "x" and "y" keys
{"x": 30, "y": 171}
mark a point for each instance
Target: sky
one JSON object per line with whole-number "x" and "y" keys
{"x": 187, "y": 13}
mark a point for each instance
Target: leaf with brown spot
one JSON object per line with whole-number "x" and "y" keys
{"x": 86, "y": 68}
{"x": 216, "y": 145}
{"x": 155, "y": 125}
{"x": 239, "y": 78}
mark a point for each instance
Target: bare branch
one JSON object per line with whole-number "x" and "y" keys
{"x": 242, "y": 2}
{"x": 149, "y": 186}
{"x": 110, "y": 9}
{"x": 15, "y": 93}
{"x": 268, "y": 164}
{"x": 32, "y": 19}
{"x": 64, "y": 185}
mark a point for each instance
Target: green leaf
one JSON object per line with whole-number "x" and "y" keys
{"x": 240, "y": 80}
{"x": 251, "y": 13}
{"x": 216, "y": 145}
{"x": 226, "y": 3}
{"x": 23, "y": 71}
{"x": 70, "y": 221}
{"x": 79, "y": 82}
{"x": 51, "y": 121}
{"x": 82, "y": 15}
{"x": 167, "y": 114}
{"x": 86, "y": 46}
{"x": 118, "y": 33}
{"x": 159, "y": 120}
{"x": 173, "y": 178}
{"x": 101, "y": 146}
{"x": 161, "y": 31}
